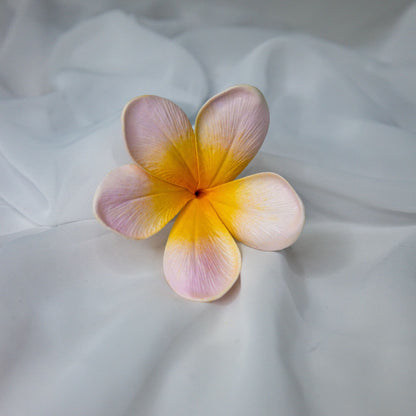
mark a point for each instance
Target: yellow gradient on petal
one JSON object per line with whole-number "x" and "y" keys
{"x": 161, "y": 140}
{"x": 135, "y": 203}
{"x": 262, "y": 210}
{"x": 201, "y": 260}
{"x": 229, "y": 128}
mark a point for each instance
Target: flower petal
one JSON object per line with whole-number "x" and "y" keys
{"x": 135, "y": 203}
{"x": 262, "y": 211}
{"x": 202, "y": 260}
{"x": 230, "y": 128}
{"x": 160, "y": 139}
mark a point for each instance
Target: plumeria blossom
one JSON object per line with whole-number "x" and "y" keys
{"x": 179, "y": 170}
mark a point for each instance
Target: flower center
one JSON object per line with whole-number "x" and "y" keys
{"x": 199, "y": 193}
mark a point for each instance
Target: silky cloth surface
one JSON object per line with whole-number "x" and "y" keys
{"x": 88, "y": 325}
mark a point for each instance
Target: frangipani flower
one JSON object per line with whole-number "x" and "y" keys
{"x": 192, "y": 173}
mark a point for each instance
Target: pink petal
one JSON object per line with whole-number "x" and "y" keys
{"x": 160, "y": 139}
{"x": 202, "y": 260}
{"x": 230, "y": 128}
{"x": 262, "y": 211}
{"x": 137, "y": 204}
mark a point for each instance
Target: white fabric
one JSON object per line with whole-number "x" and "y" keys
{"x": 88, "y": 325}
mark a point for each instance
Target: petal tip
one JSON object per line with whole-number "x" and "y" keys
{"x": 186, "y": 291}
{"x": 297, "y": 223}
{"x": 133, "y": 101}
{"x": 185, "y": 294}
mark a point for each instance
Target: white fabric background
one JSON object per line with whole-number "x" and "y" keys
{"x": 88, "y": 325}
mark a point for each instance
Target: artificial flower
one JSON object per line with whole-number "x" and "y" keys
{"x": 179, "y": 170}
